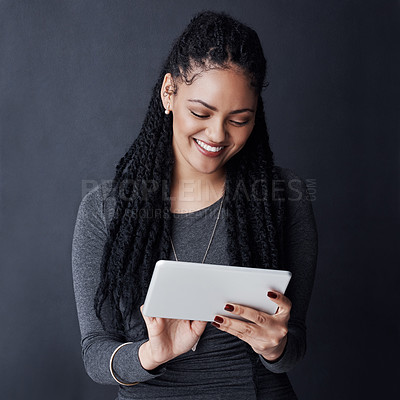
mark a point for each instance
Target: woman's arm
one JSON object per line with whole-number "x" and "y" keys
{"x": 300, "y": 257}
{"x": 97, "y": 345}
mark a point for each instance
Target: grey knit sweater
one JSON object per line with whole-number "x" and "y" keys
{"x": 220, "y": 368}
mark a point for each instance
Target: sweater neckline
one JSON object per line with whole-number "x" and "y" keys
{"x": 202, "y": 211}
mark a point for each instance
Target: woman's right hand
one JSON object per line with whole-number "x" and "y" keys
{"x": 168, "y": 338}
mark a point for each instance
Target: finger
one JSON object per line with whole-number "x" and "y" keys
{"x": 141, "y": 311}
{"x": 198, "y": 327}
{"x": 145, "y": 317}
{"x": 256, "y": 316}
{"x": 246, "y": 331}
{"x": 259, "y": 338}
{"x": 283, "y": 303}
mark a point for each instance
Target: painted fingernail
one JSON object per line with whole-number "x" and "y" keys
{"x": 215, "y": 324}
{"x": 272, "y": 295}
{"x": 219, "y": 319}
{"x": 229, "y": 307}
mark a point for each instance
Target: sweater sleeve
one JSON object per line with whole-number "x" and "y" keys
{"x": 89, "y": 236}
{"x": 300, "y": 244}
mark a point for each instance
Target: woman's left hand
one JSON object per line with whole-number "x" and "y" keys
{"x": 265, "y": 333}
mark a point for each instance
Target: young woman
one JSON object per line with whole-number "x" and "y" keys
{"x": 198, "y": 184}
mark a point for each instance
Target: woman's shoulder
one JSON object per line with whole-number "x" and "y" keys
{"x": 286, "y": 174}
{"x": 293, "y": 183}
{"x": 99, "y": 201}
{"x": 98, "y": 193}
{"x": 296, "y": 193}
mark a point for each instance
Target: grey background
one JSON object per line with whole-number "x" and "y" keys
{"x": 75, "y": 82}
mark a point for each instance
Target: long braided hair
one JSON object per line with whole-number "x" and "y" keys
{"x": 141, "y": 225}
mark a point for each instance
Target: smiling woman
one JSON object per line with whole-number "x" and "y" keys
{"x": 205, "y": 127}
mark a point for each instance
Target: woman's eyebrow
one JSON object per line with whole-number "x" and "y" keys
{"x": 215, "y": 109}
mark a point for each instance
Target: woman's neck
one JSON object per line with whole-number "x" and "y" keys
{"x": 192, "y": 191}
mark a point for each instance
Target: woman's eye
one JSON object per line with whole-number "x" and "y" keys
{"x": 239, "y": 123}
{"x": 199, "y": 116}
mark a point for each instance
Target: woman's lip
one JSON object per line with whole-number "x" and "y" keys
{"x": 208, "y": 153}
{"x": 210, "y": 144}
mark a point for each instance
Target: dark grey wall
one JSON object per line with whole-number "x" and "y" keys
{"x": 75, "y": 80}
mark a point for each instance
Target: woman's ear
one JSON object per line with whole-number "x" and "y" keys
{"x": 167, "y": 91}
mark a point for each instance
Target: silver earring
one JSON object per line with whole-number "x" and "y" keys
{"x": 167, "y": 109}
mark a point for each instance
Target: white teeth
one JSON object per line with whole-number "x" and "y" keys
{"x": 207, "y": 147}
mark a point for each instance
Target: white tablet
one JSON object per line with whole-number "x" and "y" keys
{"x": 195, "y": 291}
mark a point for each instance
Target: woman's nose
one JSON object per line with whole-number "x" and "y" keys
{"x": 216, "y": 132}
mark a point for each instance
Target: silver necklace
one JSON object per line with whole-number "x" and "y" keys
{"x": 205, "y": 254}
{"x": 212, "y": 235}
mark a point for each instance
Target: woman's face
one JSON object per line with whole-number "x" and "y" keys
{"x": 212, "y": 119}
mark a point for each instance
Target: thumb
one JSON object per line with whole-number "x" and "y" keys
{"x": 145, "y": 317}
{"x": 199, "y": 326}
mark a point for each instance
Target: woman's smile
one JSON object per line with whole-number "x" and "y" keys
{"x": 207, "y": 149}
